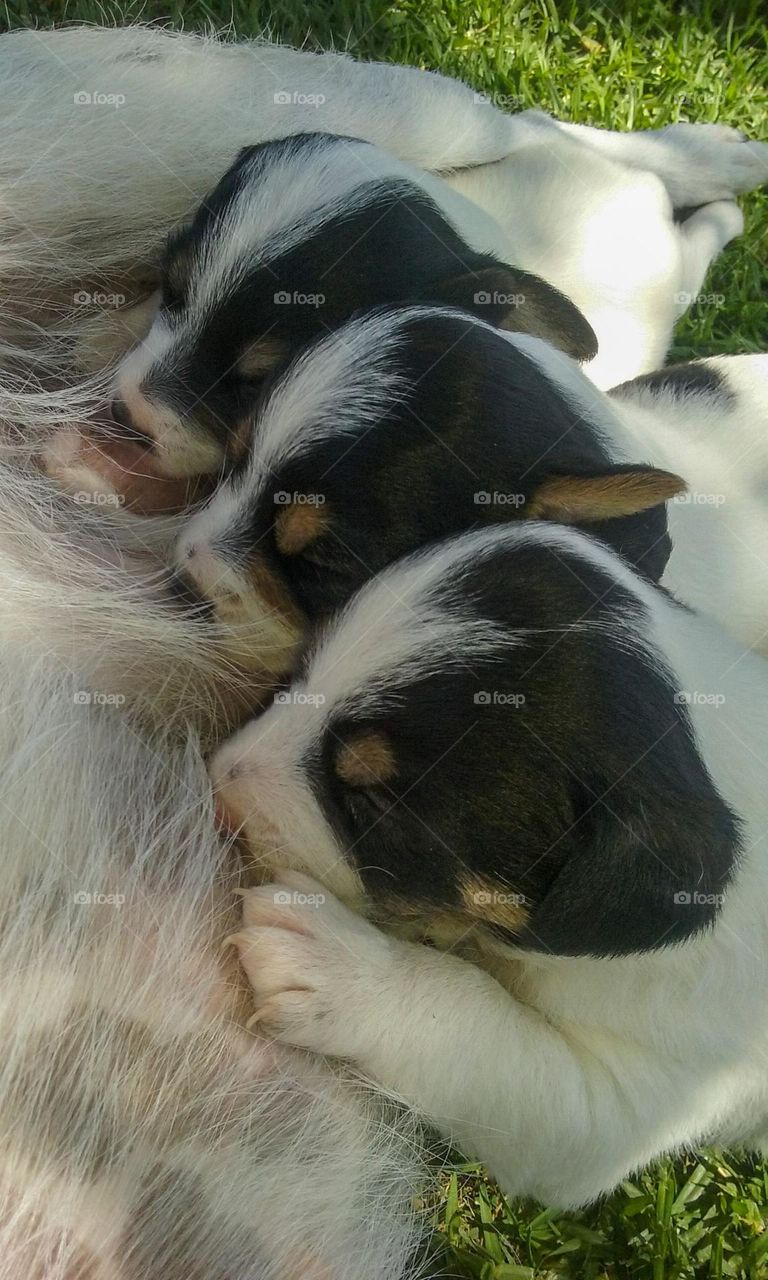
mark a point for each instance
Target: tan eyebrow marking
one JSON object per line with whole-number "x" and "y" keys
{"x": 299, "y": 524}
{"x": 366, "y": 761}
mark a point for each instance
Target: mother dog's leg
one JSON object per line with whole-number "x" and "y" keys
{"x": 697, "y": 163}
{"x": 145, "y": 121}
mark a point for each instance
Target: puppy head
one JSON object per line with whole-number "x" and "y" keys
{"x": 399, "y": 429}
{"x": 297, "y": 236}
{"x": 487, "y": 733}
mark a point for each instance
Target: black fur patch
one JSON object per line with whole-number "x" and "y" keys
{"x": 561, "y": 769}
{"x": 689, "y": 379}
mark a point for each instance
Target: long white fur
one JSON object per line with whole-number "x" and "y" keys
{"x": 564, "y": 1074}
{"x": 127, "y": 1077}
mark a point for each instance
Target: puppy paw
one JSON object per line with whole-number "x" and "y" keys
{"x": 315, "y": 967}
{"x": 718, "y": 162}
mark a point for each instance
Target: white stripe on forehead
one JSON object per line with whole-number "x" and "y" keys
{"x": 406, "y": 622}
{"x": 343, "y": 384}
{"x": 404, "y": 625}
{"x": 282, "y": 203}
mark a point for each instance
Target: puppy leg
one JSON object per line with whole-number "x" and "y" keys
{"x": 703, "y": 236}
{"x": 554, "y": 1114}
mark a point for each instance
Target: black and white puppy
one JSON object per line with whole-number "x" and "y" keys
{"x": 403, "y": 427}
{"x": 297, "y": 236}
{"x": 303, "y": 232}
{"x": 517, "y": 748}
{"x": 409, "y": 425}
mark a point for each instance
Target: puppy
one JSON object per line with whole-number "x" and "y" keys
{"x": 403, "y": 427}
{"x": 301, "y": 233}
{"x": 518, "y": 746}
{"x": 409, "y": 425}
{"x": 297, "y": 236}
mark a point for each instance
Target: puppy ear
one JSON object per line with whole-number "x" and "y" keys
{"x": 605, "y": 495}
{"x": 522, "y": 303}
{"x": 648, "y": 860}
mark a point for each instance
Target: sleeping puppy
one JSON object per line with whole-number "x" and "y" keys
{"x": 302, "y": 232}
{"x": 402, "y": 427}
{"x": 297, "y": 236}
{"x": 515, "y": 747}
{"x": 409, "y": 425}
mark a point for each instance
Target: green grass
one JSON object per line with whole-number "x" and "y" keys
{"x": 632, "y": 66}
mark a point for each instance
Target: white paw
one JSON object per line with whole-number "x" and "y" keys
{"x": 718, "y": 162}
{"x": 315, "y": 967}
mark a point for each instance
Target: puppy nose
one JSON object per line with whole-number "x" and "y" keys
{"x": 128, "y": 429}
